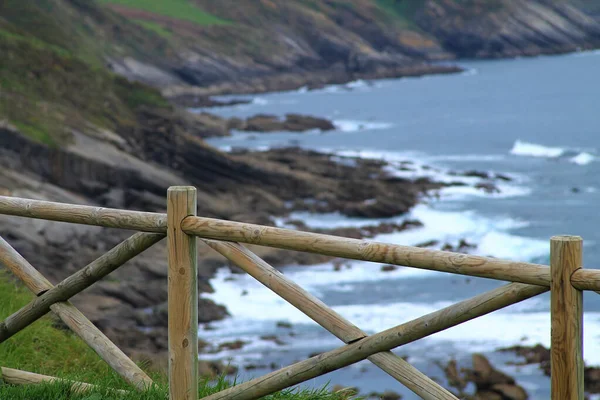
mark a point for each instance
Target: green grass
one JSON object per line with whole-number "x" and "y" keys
{"x": 41, "y": 347}
{"x": 402, "y": 12}
{"x": 154, "y": 27}
{"x": 37, "y": 133}
{"x": 61, "y": 391}
{"x": 178, "y": 9}
{"x": 45, "y": 349}
{"x": 45, "y": 91}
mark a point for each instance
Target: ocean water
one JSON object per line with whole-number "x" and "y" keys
{"x": 536, "y": 120}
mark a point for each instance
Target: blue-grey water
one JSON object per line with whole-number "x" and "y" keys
{"x": 536, "y": 120}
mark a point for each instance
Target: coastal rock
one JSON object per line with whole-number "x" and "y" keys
{"x": 299, "y": 123}
{"x": 490, "y": 383}
{"x": 214, "y": 369}
{"x": 488, "y": 187}
{"x": 510, "y": 391}
{"x": 539, "y": 354}
{"x": 484, "y": 375}
{"x": 292, "y": 123}
{"x": 508, "y": 29}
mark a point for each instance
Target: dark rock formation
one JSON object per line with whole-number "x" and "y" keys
{"x": 490, "y": 383}
{"x": 292, "y": 123}
{"x": 539, "y": 354}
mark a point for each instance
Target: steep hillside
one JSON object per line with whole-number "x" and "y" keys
{"x": 84, "y": 118}
{"x": 277, "y": 44}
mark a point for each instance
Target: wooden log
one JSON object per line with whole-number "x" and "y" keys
{"x": 383, "y": 341}
{"x": 18, "y": 377}
{"x": 183, "y": 296}
{"x": 319, "y": 312}
{"x": 586, "y": 279}
{"x": 75, "y": 320}
{"x": 86, "y": 215}
{"x": 77, "y": 282}
{"x": 19, "y": 266}
{"x": 368, "y": 251}
{"x": 102, "y": 345}
{"x": 566, "y": 310}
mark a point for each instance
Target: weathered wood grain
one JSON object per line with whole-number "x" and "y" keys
{"x": 183, "y": 296}
{"x": 85, "y": 215}
{"x": 18, "y": 377}
{"x": 102, "y": 345}
{"x": 566, "y": 310}
{"x": 19, "y": 266}
{"x": 368, "y": 251}
{"x": 383, "y": 341}
{"x": 586, "y": 279}
{"x": 77, "y": 282}
{"x": 319, "y": 312}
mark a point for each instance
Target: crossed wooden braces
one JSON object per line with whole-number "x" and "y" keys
{"x": 566, "y": 278}
{"x": 55, "y": 298}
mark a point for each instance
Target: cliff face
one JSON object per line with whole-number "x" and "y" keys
{"x": 232, "y": 46}
{"x": 270, "y": 44}
{"x": 73, "y": 129}
{"x": 508, "y": 28}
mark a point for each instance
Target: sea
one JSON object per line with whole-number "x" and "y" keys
{"x": 536, "y": 120}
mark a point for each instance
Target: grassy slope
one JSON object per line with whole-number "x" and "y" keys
{"x": 45, "y": 349}
{"x": 178, "y": 9}
{"x": 45, "y": 89}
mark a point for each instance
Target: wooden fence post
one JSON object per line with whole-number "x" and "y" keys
{"x": 567, "y": 319}
{"x": 183, "y": 296}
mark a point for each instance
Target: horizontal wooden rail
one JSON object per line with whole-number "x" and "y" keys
{"x": 318, "y": 311}
{"x": 18, "y": 377}
{"x": 586, "y": 279}
{"x": 368, "y": 251}
{"x": 74, "y": 319}
{"x": 330, "y": 245}
{"x": 77, "y": 282}
{"x": 85, "y": 215}
{"x": 383, "y": 341}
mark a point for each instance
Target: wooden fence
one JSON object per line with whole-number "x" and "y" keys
{"x": 565, "y": 278}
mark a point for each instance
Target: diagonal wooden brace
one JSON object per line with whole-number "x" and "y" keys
{"x": 73, "y": 318}
{"x": 319, "y": 312}
{"x": 391, "y": 338}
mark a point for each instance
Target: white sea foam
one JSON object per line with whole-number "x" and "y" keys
{"x": 583, "y": 158}
{"x": 468, "y": 157}
{"x": 462, "y": 192}
{"x": 334, "y": 220}
{"x": 260, "y": 101}
{"x": 587, "y": 53}
{"x": 522, "y": 148}
{"x": 481, "y": 334}
{"x": 529, "y": 321}
{"x": 346, "y": 125}
{"x": 246, "y": 298}
{"x": 410, "y": 165}
{"x": 360, "y": 83}
{"x": 576, "y": 156}
{"x": 470, "y": 72}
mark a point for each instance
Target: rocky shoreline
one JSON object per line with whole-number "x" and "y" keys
{"x": 134, "y": 315}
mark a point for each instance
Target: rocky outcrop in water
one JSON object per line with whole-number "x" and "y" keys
{"x": 490, "y": 383}
{"x": 539, "y": 354}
